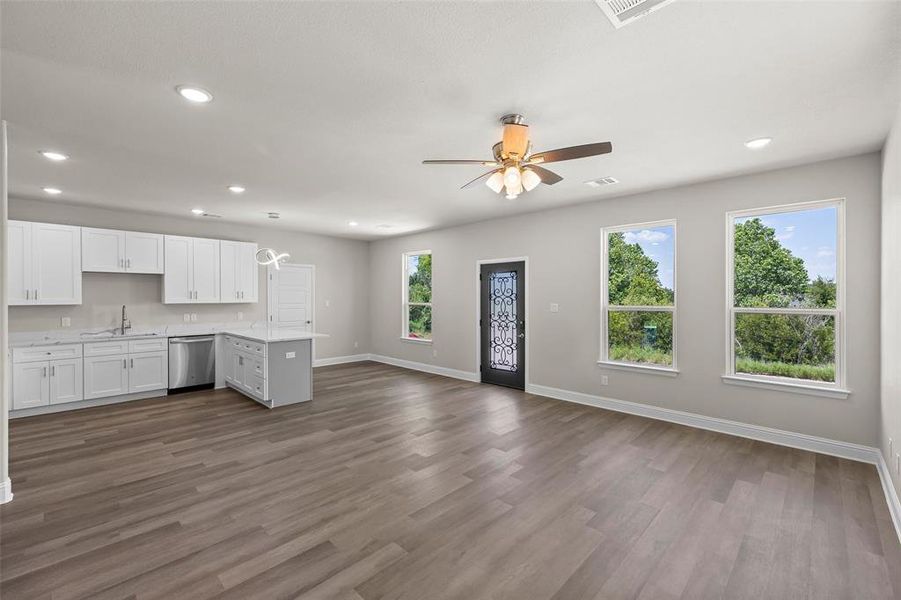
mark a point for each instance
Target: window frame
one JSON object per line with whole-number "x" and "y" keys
{"x": 604, "y": 355}
{"x": 405, "y": 297}
{"x": 834, "y": 389}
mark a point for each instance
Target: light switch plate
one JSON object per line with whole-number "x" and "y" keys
{"x": 604, "y": 380}
{"x": 290, "y": 354}
{"x": 193, "y": 316}
{"x": 65, "y": 322}
{"x": 187, "y": 317}
{"x": 555, "y": 307}
{"x": 328, "y": 303}
{"x": 240, "y": 316}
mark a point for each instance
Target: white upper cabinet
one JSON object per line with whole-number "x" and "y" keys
{"x": 239, "y": 279}
{"x": 143, "y": 252}
{"x": 192, "y": 270}
{"x": 114, "y": 251}
{"x": 44, "y": 263}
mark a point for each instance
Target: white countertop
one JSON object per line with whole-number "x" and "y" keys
{"x": 256, "y": 333}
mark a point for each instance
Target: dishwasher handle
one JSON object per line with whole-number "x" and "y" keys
{"x": 190, "y": 340}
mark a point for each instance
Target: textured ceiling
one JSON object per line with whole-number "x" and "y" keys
{"x": 325, "y": 110}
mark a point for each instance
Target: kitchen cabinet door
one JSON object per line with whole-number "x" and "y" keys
{"x": 230, "y": 272}
{"x": 205, "y": 265}
{"x": 143, "y": 252}
{"x": 31, "y": 386}
{"x": 177, "y": 280}
{"x": 105, "y": 376}
{"x": 56, "y": 263}
{"x": 18, "y": 263}
{"x": 102, "y": 250}
{"x": 148, "y": 371}
{"x": 66, "y": 381}
{"x": 249, "y": 277}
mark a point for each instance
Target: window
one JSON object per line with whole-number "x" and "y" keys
{"x": 417, "y": 317}
{"x": 785, "y": 292}
{"x": 638, "y": 296}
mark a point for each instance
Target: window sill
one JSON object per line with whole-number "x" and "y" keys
{"x": 785, "y": 386}
{"x": 651, "y": 370}
{"x": 415, "y": 340}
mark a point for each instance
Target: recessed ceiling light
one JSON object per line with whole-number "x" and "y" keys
{"x": 236, "y": 189}
{"x": 194, "y": 94}
{"x": 53, "y": 155}
{"x": 352, "y": 223}
{"x": 53, "y": 191}
{"x": 758, "y": 143}
{"x": 197, "y": 211}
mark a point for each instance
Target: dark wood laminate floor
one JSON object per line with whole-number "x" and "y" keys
{"x": 396, "y": 484}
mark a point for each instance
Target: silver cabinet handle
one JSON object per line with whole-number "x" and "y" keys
{"x": 28, "y": 294}
{"x": 35, "y": 294}
{"x": 132, "y": 362}
{"x": 44, "y": 372}
{"x": 121, "y": 263}
{"x": 124, "y": 364}
{"x": 53, "y": 371}
{"x": 128, "y": 263}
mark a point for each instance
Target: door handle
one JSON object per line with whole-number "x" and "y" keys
{"x": 522, "y": 335}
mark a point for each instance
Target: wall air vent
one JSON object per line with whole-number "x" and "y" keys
{"x": 602, "y": 182}
{"x": 623, "y": 12}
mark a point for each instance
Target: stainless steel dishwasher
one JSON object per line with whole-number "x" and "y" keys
{"x": 192, "y": 362}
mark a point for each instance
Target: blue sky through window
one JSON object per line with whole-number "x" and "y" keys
{"x": 658, "y": 244}
{"x": 809, "y": 235}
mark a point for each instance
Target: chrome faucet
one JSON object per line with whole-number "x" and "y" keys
{"x": 126, "y": 324}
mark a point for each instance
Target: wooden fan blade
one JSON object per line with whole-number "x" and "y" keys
{"x": 485, "y": 163}
{"x": 479, "y": 179}
{"x": 572, "y": 152}
{"x": 547, "y": 177}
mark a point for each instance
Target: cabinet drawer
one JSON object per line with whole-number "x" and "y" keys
{"x": 38, "y": 353}
{"x": 253, "y": 347}
{"x": 258, "y": 367}
{"x": 149, "y": 345}
{"x": 256, "y": 386}
{"x": 106, "y": 348}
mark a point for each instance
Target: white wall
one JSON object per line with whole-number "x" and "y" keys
{"x": 563, "y": 246}
{"x": 341, "y": 278}
{"x": 891, "y": 299}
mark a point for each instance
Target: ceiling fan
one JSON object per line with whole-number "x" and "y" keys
{"x": 515, "y": 167}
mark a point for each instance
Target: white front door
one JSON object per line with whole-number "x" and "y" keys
{"x": 291, "y": 296}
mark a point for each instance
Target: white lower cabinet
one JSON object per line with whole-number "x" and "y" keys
{"x": 105, "y": 376}
{"x": 31, "y": 385}
{"x": 66, "y": 381}
{"x": 148, "y": 371}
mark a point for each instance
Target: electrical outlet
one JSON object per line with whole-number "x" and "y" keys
{"x": 240, "y": 316}
{"x": 328, "y": 303}
{"x": 193, "y": 316}
{"x": 356, "y": 344}
{"x": 604, "y": 380}
{"x": 434, "y": 353}
{"x": 187, "y": 318}
{"x": 555, "y": 307}
{"x": 65, "y": 322}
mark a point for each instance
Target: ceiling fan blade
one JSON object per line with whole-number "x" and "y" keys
{"x": 485, "y": 163}
{"x": 570, "y": 153}
{"x": 479, "y": 179}
{"x": 547, "y": 177}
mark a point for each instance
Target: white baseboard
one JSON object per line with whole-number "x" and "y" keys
{"x": 340, "y": 360}
{"x": 426, "y": 368}
{"x": 6, "y": 491}
{"x": 891, "y": 496}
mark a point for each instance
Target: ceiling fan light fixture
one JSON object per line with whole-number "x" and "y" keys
{"x": 530, "y": 179}
{"x": 512, "y": 178}
{"x": 496, "y": 182}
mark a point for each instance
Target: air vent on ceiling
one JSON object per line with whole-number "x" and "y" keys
{"x": 623, "y": 12}
{"x": 602, "y": 181}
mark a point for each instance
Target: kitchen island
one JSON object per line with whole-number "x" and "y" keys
{"x": 273, "y": 366}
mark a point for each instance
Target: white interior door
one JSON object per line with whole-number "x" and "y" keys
{"x": 18, "y": 264}
{"x": 291, "y": 296}
{"x": 102, "y": 250}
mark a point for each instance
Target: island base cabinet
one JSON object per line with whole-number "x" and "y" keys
{"x": 105, "y": 376}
